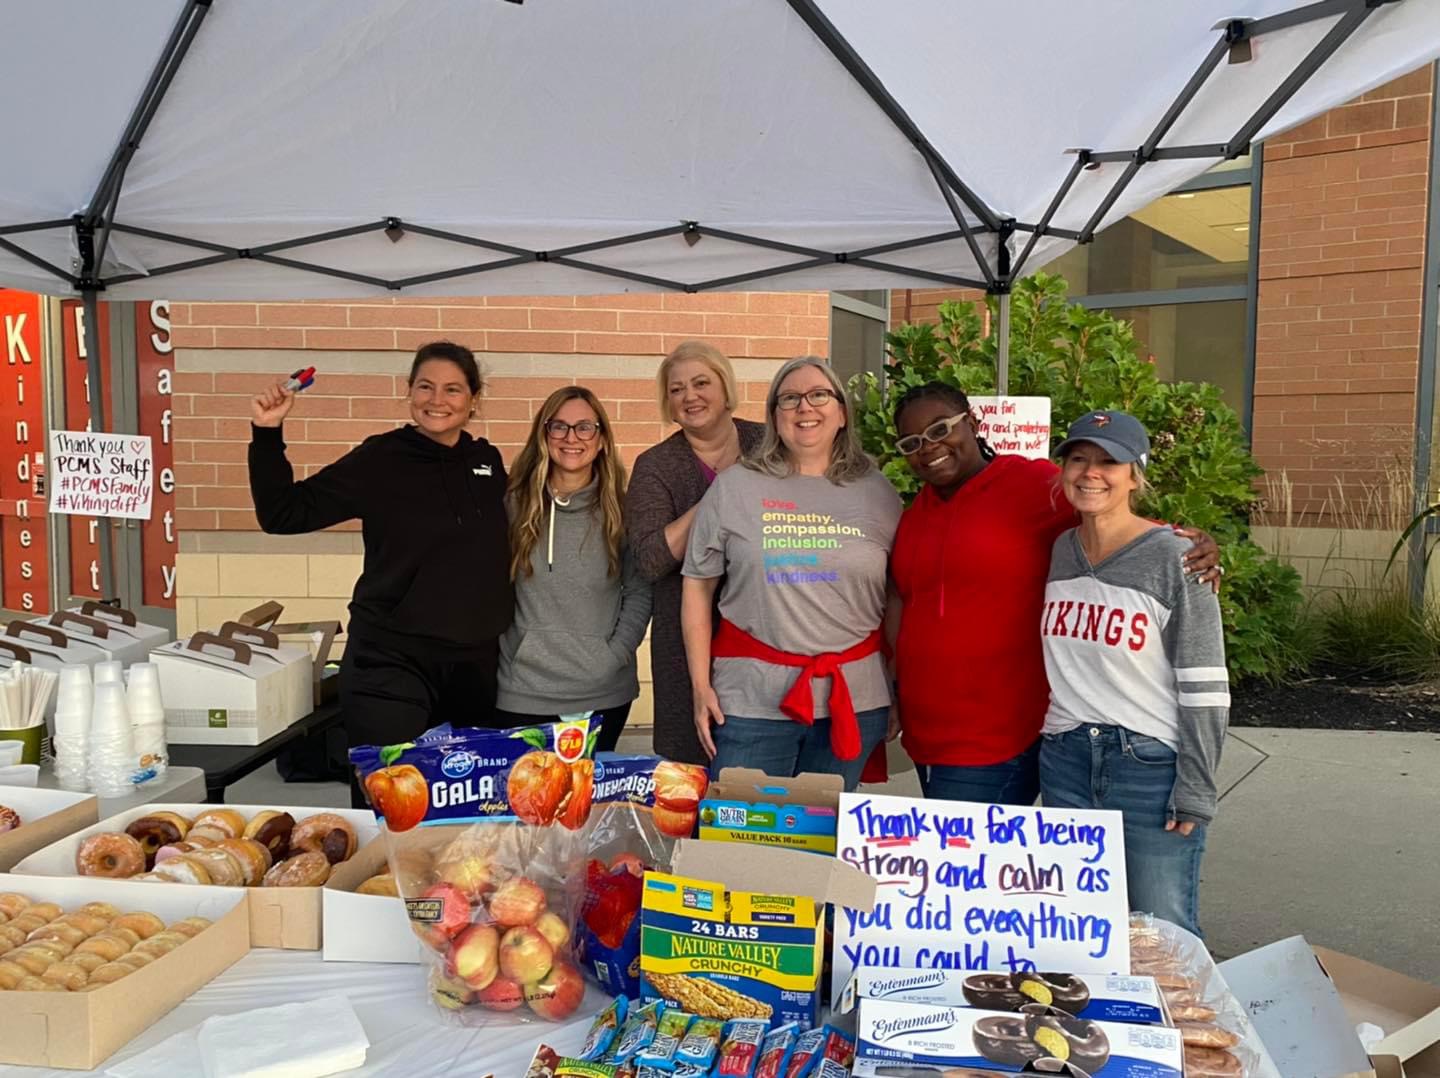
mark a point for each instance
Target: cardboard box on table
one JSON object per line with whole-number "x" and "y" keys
{"x": 366, "y": 928}
{"x": 45, "y": 817}
{"x": 287, "y": 917}
{"x": 746, "y": 805}
{"x": 79, "y": 1030}
{"x": 774, "y": 954}
{"x": 115, "y": 631}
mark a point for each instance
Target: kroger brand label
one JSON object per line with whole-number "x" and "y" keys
{"x": 893, "y": 1034}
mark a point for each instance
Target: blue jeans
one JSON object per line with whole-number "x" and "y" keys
{"x": 1109, "y": 767}
{"x": 1015, "y": 781}
{"x": 785, "y": 749}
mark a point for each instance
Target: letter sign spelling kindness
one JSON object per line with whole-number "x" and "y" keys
{"x": 965, "y": 885}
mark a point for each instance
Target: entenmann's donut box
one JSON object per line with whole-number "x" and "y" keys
{"x": 287, "y": 917}
{"x": 366, "y": 928}
{"x": 917, "y": 1037}
{"x": 79, "y": 1030}
{"x": 45, "y": 816}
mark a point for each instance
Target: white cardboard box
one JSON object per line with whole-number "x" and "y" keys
{"x": 220, "y": 691}
{"x": 366, "y": 928}
{"x": 290, "y": 917}
{"x": 45, "y": 816}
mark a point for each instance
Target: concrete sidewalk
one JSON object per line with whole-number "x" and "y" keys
{"x": 1331, "y": 835}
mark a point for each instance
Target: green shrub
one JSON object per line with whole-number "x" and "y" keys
{"x": 1378, "y": 633}
{"x": 1201, "y": 472}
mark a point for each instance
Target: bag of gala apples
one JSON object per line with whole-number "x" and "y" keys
{"x": 485, "y": 835}
{"x": 642, "y": 805}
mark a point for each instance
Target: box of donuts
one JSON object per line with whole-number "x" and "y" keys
{"x": 282, "y": 856}
{"x": 892, "y": 1038}
{"x": 31, "y": 819}
{"x": 365, "y": 918}
{"x": 86, "y": 965}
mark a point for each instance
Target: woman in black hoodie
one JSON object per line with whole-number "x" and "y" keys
{"x": 434, "y": 595}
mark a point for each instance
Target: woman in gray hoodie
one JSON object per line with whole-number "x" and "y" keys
{"x": 581, "y": 603}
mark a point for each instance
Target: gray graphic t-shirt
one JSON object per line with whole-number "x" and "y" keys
{"x": 804, "y": 561}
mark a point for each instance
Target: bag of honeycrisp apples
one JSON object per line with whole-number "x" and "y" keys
{"x": 485, "y": 833}
{"x": 643, "y": 804}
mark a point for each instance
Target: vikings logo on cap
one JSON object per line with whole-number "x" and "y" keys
{"x": 1100, "y": 419}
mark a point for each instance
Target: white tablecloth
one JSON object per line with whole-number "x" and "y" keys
{"x": 408, "y": 1036}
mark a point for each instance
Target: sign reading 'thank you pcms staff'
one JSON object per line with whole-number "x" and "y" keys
{"x": 101, "y": 475}
{"x": 965, "y": 885}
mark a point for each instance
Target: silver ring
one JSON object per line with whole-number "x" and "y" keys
{"x": 1220, "y": 569}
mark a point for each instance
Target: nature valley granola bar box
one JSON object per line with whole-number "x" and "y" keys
{"x": 739, "y": 932}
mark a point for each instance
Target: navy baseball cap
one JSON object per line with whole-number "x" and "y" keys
{"x": 1118, "y": 433}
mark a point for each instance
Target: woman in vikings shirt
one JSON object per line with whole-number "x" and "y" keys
{"x": 796, "y": 541}
{"x": 1135, "y": 653}
{"x": 968, "y": 570}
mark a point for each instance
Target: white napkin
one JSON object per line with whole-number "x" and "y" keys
{"x": 295, "y": 1040}
{"x": 20, "y": 775}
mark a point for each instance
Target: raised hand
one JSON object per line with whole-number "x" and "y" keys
{"x": 270, "y": 407}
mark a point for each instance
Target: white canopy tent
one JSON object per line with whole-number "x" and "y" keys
{"x": 244, "y": 149}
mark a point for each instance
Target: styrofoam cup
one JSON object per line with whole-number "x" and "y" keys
{"x": 108, "y": 671}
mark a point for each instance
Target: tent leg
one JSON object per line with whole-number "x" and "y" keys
{"x": 96, "y": 378}
{"x": 1002, "y": 347}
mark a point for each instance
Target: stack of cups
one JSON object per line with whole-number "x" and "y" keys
{"x": 108, "y": 671}
{"x": 112, "y": 746}
{"x": 147, "y": 719}
{"x": 72, "y": 727}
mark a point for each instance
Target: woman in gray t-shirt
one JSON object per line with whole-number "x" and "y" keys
{"x": 797, "y": 541}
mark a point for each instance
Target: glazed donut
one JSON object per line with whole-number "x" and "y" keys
{"x": 127, "y": 935}
{"x": 33, "y": 959}
{"x": 1204, "y": 1035}
{"x": 58, "y": 930}
{"x": 60, "y": 947}
{"x": 155, "y": 831}
{"x": 155, "y": 948}
{"x": 310, "y": 869}
{"x": 174, "y": 938}
{"x": 35, "y": 984}
{"x": 11, "y": 904}
{"x": 206, "y": 837}
{"x": 383, "y": 884}
{"x": 142, "y": 924}
{"x": 48, "y": 910}
{"x": 87, "y": 923}
{"x": 191, "y": 926}
{"x": 272, "y": 830}
{"x": 228, "y": 821}
{"x": 67, "y": 975}
{"x": 1191, "y": 1012}
{"x": 328, "y": 833}
{"x": 11, "y": 974}
{"x": 136, "y": 959}
{"x": 183, "y": 870}
{"x": 115, "y": 855}
{"x": 103, "y": 910}
{"x": 1211, "y": 1063}
{"x": 175, "y": 849}
{"x": 110, "y": 973}
{"x": 107, "y": 947}
{"x": 253, "y": 856}
{"x": 29, "y": 922}
{"x": 225, "y": 868}
{"x": 10, "y": 936}
{"x": 89, "y": 961}
{"x": 9, "y": 819}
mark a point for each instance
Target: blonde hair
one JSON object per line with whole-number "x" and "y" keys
{"x": 707, "y": 354}
{"x": 529, "y": 491}
{"x": 1138, "y": 495}
{"x": 847, "y": 458}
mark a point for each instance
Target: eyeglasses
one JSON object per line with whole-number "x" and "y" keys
{"x": 817, "y": 398}
{"x": 935, "y": 432}
{"x": 560, "y": 430}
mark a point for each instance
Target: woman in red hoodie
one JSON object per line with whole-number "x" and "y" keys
{"x": 968, "y": 576}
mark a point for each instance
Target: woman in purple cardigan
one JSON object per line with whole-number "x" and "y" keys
{"x": 696, "y": 389}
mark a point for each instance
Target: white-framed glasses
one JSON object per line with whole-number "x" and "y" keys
{"x": 935, "y": 432}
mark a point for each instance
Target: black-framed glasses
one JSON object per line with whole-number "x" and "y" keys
{"x": 935, "y": 432}
{"x": 560, "y": 430}
{"x": 816, "y": 398}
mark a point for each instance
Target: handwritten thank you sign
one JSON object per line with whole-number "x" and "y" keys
{"x": 101, "y": 475}
{"x": 964, "y": 885}
{"x": 1019, "y": 425}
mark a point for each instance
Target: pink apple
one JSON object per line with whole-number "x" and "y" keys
{"x": 454, "y": 915}
{"x": 555, "y": 930}
{"x": 501, "y": 995}
{"x": 525, "y": 955}
{"x": 473, "y": 874}
{"x": 558, "y": 994}
{"x": 475, "y": 958}
{"x": 517, "y": 901}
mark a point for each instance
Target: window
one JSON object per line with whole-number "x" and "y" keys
{"x": 858, "y": 321}
{"x": 1194, "y": 342}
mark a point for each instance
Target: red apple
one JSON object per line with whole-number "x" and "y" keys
{"x": 675, "y": 824}
{"x": 475, "y": 958}
{"x": 501, "y": 994}
{"x": 576, "y": 809}
{"x": 517, "y": 901}
{"x": 558, "y": 994}
{"x": 454, "y": 915}
{"x": 679, "y": 787}
{"x": 472, "y": 873}
{"x": 630, "y": 862}
{"x": 451, "y": 992}
{"x": 400, "y": 794}
{"x": 554, "y": 929}
{"x": 537, "y": 786}
{"x": 525, "y": 955}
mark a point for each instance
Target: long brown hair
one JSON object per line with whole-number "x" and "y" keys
{"x": 529, "y": 488}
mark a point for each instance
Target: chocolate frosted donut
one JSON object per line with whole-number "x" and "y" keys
{"x": 1072, "y": 1040}
{"x": 1062, "y": 990}
{"x": 991, "y": 992}
{"x": 1002, "y": 1038}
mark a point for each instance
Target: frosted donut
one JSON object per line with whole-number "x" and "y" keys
{"x": 191, "y": 926}
{"x": 328, "y": 833}
{"x": 12, "y": 904}
{"x": 206, "y": 837}
{"x": 174, "y": 849}
{"x": 67, "y": 975}
{"x": 254, "y": 858}
{"x": 107, "y": 947}
{"x": 136, "y": 959}
{"x": 9, "y": 819}
{"x": 1202, "y": 1035}
{"x": 227, "y": 820}
{"x": 272, "y": 829}
{"x": 103, "y": 910}
{"x": 110, "y": 973}
{"x": 58, "y": 930}
{"x": 142, "y": 924}
{"x": 86, "y": 960}
{"x": 87, "y": 923}
{"x": 310, "y": 869}
{"x": 48, "y": 910}
{"x": 114, "y": 855}
{"x": 10, "y": 936}
{"x": 154, "y": 831}
{"x": 183, "y": 870}
{"x": 11, "y": 974}
{"x": 225, "y": 868}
